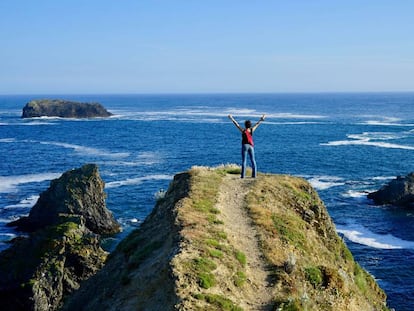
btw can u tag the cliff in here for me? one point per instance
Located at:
(78, 192)
(63, 246)
(218, 242)
(63, 109)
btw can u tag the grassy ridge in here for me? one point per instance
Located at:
(313, 269)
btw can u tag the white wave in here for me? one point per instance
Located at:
(361, 235)
(383, 177)
(25, 203)
(10, 183)
(142, 159)
(148, 158)
(375, 139)
(325, 182)
(30, 123)
(356, 194)
(385, 121)
(207, 114)
(380, 135)
(294, 123)
(136, 181)
(366, 142)
(7, 140)
(9, 235)
(87, 150)
(34, 123)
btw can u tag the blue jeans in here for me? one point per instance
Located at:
(248, 149)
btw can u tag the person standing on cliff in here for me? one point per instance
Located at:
(247, 143)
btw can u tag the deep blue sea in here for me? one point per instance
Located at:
(346, 145)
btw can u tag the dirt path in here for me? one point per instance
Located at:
(242, 235)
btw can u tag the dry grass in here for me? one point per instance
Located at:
(206, 254)
(293, 223)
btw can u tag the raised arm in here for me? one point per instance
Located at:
(258, 122)
(235, 123)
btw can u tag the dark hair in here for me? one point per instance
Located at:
(247, 124)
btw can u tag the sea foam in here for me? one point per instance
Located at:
(325, 182)
(25, 203)
(87, 150)
(361, 235)
(375, 139)
(136, 181)
(10, 183)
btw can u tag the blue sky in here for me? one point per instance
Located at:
(188, 46)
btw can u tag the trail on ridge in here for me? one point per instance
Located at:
(241, 233)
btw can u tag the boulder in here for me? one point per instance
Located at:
(63, 109)
(76, 192)
(399, 192)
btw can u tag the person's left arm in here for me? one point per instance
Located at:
(262, 118)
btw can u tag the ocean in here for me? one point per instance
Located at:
(345, 145)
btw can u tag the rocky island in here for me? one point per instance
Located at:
(398, 192)
(63, 109)
(63, 244)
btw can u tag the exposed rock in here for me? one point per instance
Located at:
(217, 242)
(76, 192)
(399, 191)
(63, 246)
(38, 271)
(63, 109)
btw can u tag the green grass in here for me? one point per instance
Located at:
(215, 253)
(219, 301)
(290, 230)
(240, 278)
(314, 276)
(241, 258)
(203, 268)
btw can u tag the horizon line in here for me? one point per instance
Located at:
(202, 93)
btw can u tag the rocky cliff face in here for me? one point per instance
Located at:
(77, 192)
(63, 109)
(399, 191)
(218, 242)
(62, 248)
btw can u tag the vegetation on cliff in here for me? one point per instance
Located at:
(218, 242)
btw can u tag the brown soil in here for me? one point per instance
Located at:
(243, 236)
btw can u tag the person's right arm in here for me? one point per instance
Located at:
(235, 123)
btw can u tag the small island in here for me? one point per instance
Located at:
(63, 109)
(397, 192)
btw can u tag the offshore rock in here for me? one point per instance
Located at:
(399, 191)
(76, 192)
(38, 271)
(63, 109)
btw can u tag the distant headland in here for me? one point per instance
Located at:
(63, 109)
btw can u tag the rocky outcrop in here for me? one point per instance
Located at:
(62, 247)
(399, 192)
(76, 192)
(63, 109)
(38, 271)
(218, 242)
